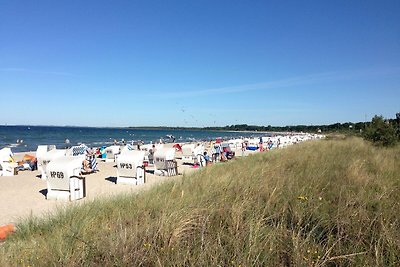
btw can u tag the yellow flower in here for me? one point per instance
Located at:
(303, 198)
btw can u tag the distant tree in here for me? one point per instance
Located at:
(397, 125)
(380, 132)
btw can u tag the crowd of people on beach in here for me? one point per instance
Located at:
(214, 151)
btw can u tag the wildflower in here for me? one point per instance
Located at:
(302, 198)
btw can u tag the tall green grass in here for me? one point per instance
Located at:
(323, 203)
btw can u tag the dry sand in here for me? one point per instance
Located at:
(24, 194)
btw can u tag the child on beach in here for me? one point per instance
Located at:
(207, 158)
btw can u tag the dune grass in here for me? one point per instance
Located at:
(321, 203)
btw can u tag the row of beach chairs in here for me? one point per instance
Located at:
(63, 168)
(63, 171)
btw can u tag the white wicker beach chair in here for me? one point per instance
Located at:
(165, 163)
(7, 167)
(47, 157)
(63, 179)
(112, 152)
(130, 169)
(192, 153)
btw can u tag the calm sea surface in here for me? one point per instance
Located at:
(32, 136)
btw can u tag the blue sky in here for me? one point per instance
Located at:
(198, 63)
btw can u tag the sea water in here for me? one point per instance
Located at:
(27, 138)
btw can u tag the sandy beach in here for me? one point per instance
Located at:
(24, 194)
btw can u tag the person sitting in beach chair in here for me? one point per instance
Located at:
(89, 164)
(223, 156)
(86, 167)
(28, 162)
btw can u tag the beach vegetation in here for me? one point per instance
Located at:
(382, 132)
(319, 203)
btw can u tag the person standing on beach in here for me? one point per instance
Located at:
(67, 143)
(206, 158)
(213, 153)
(243, 147)
(151, 154)
(218, 151)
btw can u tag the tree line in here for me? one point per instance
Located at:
(380, 130)
(335, 127)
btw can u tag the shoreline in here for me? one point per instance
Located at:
(163, 128)
(25, 138)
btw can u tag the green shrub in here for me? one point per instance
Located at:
(381, 132)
